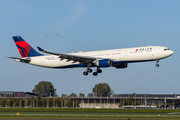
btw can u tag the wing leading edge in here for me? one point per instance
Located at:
(75, 58)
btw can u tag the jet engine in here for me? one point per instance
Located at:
(123, 65)
(104, 63)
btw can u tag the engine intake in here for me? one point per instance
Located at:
(104, 63)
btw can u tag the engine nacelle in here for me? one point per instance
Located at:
(104, 63)
(123, 65)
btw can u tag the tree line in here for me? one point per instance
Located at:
(46, 88)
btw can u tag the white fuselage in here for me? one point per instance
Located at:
(127, 55)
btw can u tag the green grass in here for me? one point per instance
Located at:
(90, 117)
(77, 113)
(88, 110)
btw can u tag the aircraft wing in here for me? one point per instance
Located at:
(69, 57)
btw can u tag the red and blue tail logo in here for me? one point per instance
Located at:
(24, 48)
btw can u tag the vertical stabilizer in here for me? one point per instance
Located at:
(24, 48)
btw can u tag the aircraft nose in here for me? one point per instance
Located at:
(172, 52)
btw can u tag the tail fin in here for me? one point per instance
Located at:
(24, 48)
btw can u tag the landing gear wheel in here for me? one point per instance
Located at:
(95, 73)
(157, 65)
(99, 71)
(85, 73)
(90, 70)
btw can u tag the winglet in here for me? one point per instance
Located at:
(40, 49)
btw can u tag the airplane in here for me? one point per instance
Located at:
(118, 58)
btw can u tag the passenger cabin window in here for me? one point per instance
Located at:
(166, 49)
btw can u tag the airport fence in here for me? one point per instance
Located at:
(89, 102)
(39, 102)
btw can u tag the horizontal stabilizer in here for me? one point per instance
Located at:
(26, 60)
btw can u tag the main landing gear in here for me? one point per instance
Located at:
(157, 63)
(87, 71)
(98, 70)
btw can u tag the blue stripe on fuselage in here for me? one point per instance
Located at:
(113, 63)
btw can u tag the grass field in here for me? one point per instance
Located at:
(76, 113)
(87, 110)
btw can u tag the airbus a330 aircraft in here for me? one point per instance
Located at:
(118, 58)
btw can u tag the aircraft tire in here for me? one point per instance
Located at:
(157, 65)
(90, 70)
(85, 73)
(99, 71)
(95, 73)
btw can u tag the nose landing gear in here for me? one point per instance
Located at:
(157, 63)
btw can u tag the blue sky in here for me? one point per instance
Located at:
(87, 25)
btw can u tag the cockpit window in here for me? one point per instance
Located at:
(166, 49)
